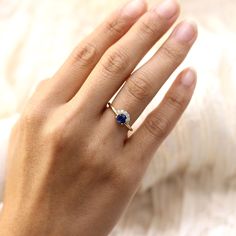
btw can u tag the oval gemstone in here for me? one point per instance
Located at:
(121, 118)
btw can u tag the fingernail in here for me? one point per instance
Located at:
(185, 32)
(134, 8)
(167, 9)
(189, 78)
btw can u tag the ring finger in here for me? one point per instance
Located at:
(143, 84)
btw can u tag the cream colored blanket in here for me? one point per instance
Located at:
(190, 187)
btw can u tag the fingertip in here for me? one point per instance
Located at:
(188, 77)
(168, 10)
(185, 32)
(134, 8)
(194, 25)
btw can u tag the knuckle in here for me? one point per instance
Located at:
(33, 115)
(56, 139)
(139, 87)
(57, 136)
(176, 101)
(157, 125)
(115, 27)
(148, 27)
(106, 173)
(120, 178)
(85, 54)
(92, 164)
(171, 53)
(116, 61)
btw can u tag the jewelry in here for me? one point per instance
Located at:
(122, 117)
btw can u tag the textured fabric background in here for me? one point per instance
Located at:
(190, 187)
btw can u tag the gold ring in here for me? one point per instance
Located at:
(122, 117)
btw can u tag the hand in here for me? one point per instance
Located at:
(72, 170)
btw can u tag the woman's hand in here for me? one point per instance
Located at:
(72, 170)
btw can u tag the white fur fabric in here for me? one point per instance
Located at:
(190, 186)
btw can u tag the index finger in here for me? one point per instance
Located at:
(86, 55)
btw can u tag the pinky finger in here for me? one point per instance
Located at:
(162, 120)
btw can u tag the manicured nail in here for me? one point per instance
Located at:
(185, 32)
(167, 9)
(189, 78)
(134, 8)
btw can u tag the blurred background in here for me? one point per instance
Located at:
(190, 187)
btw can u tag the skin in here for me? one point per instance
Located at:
(72, 170)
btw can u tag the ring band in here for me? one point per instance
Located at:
(122, 117)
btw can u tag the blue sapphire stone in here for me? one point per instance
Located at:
(121, 119)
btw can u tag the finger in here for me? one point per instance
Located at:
(161, 121)
(85, 56)
(140, 89)
(120, 60)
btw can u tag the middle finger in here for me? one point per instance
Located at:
(121, 59)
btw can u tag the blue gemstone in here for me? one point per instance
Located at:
(121, 118)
